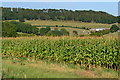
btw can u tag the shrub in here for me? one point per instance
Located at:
(54, 33)
(21, 19)
(114, 28)
(75, 33)
(44, 31)
(100, 33)
(25, 28)
(56, 26)
(64, 31)
(8, 30)
(82, 35)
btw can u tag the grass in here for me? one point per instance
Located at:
(20, 34)
(39, 70)
(115, 34)
(12, 68)
(68, 23)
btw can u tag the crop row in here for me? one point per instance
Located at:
(90, 52)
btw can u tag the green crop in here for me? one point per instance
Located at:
(90, 52)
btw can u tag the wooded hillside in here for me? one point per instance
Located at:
(57, 14)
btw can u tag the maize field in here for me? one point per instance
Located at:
(89, 52)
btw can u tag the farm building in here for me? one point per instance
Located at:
(118, 31)
(98, 29)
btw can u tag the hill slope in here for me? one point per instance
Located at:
(58, 14)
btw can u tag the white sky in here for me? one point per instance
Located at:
(60, 0)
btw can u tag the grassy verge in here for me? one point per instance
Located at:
(17, 68)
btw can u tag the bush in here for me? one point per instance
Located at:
(8, 30)
(62, 26)
(25, 28)
(114, 28)
(21, 19)
(44, 31)
(54, 33)
(100, 33)
(82, 35)
(64, 32)
(56, 26)
(75, 33)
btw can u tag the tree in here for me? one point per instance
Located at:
(25, 28)
(48, 29)
(21, 19)
(114, 28)
(44, 31)
(61, 17)
(59, 14)
(8, 30)
(118, 19)
(54, 18)
(54, 33)
(75, 33)
(64, 31)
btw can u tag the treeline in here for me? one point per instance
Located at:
(48, 32)
(63, 26)
(25, 28)
(8, 30)
(57, 14)
(11, 29)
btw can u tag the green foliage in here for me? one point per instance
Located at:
(64, 32)
(82, 35)
(8, 30)
(48, 32)
(75, 33)
(54, 33)
(56, 26)
(118, 19)
(83, 28)
(58, 14)
(54, 18)
(114, 28)
(25, 28)
(21, 19)
(61, 17)
(98, 52)
(100, 33)
(44, 31)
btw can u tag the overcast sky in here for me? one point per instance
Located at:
(109, 7)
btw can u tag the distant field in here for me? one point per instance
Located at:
(115, 34)
(68, 23)
(80, 31)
